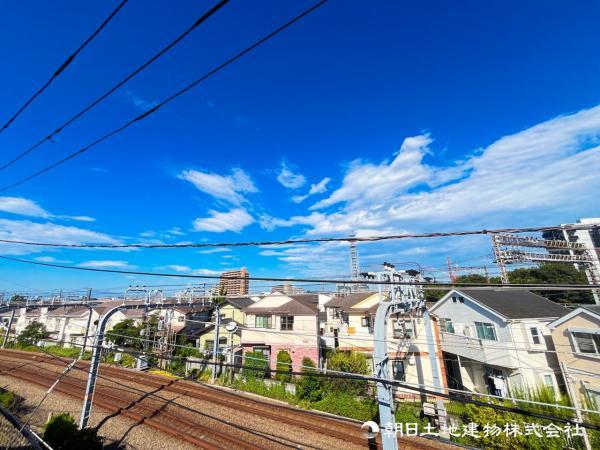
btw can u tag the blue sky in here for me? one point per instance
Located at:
(374, 117)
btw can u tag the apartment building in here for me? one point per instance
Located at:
(576, 338)
(501, 333)
(235, 282)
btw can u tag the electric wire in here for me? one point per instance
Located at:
(62, 67)
(375, 238)
(117, 86)
(425, 284)
(169, 99)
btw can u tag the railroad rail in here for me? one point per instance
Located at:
(163, 415)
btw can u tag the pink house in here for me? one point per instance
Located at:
(283, 322)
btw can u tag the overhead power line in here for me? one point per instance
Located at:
(311, 240)
(63, 66)
(170, 98)
(425, 284)
(168, 47)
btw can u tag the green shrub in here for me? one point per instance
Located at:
(9, 400)
(350, 362)
(62, 433)
(347, 405)
(255, 365)
(33, 333)
(309, 388)
(259, 387)
(284, 364)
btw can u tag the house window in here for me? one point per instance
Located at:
(365, 321)
(549, 381)
(265, 350)
(398, 369)
(181, 319)
(404, 329)
(447, 325)
(587, 343)
(287, 323)
(535, 335)
(262, 321)
(485, 330)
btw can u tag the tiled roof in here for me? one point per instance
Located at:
(348, 301)
(516, 304)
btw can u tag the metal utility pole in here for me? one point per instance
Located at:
(575, 400)
(10, 322)
(216, 342)
(87, 330)
(402, 299)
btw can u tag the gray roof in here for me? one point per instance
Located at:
(348, 301)
(516, 304)
(300, 305)
(593, 308)
(241, 302)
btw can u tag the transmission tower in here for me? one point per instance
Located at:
(508, 249)
(354, 265)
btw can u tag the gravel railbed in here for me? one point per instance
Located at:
(268, 433)
(117, 429)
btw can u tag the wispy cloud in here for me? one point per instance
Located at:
(219, 222)
(177, 268)
(106, 264)
(288, 178)
(229, 188)
(214, 250)
(52, 259)
(317, 188)
(22, 206)
(140, 102)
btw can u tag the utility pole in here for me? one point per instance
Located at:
(216, 342)
(402, 299)
(10, 322)
(575, 400)
(87, 331)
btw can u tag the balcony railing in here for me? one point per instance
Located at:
(490, 352)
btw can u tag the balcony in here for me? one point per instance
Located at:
(485, 351)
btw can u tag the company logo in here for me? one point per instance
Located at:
(370, 429)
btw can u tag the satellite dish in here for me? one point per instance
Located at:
(231, 327)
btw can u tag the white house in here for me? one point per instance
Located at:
(498, 332)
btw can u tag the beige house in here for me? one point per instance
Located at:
(231, 310)
(350, 321)
(576, 337)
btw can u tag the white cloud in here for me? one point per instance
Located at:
(51, 259)
(230, 188)
(26, 230)
(208, 272)
(289, 179)
(177, 268)
(106, 264)
(79, 218)
(318, 188)
(218, 222)
(22, 206)
(546, 174)
(367, 183)
(141, 102)
(214, 250)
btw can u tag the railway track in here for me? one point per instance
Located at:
(164, 416)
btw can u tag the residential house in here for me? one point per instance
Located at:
(576, 337)
(498, 333)
(232, 310)
(351, 318)
(281, 322)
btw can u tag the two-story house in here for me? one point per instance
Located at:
(281, 322)
(498, 334)
(351, 319)
(233, 309)
(576, 337)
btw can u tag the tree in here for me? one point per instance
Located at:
(554, 273)
(284, 364)
(17, 298)
(62, 433)
(309, 387)
(125, 334)
(255, 365)
(33, 333)
(348, 362)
